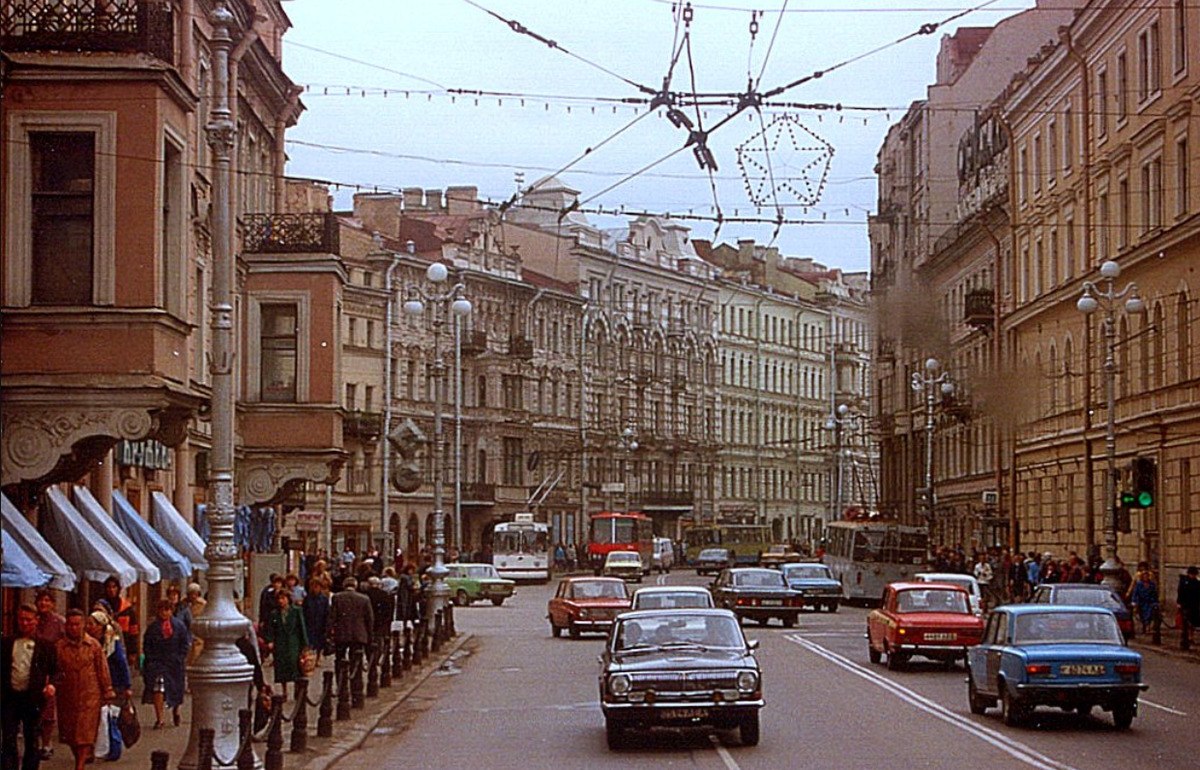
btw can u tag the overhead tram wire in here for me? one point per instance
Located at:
(521, 29)
(372, 65)
(771, 45)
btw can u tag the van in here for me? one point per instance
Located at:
(664, 554)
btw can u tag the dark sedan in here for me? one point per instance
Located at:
(679, 668)
(757, 593)
(1086, 595)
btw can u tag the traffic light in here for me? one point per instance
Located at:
(1143, 482)
(408, 443)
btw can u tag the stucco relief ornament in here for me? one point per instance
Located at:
(783, 162)
(221, 135)
(34, 440)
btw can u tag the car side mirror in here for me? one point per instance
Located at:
(752, 644)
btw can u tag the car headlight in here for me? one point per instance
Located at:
(747, 681)
(619, 684)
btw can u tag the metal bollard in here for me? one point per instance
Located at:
(274, 757)
(439, 628)
(373, 672)
(450, 632)
(159, 760)
(325, 713)
(385, 661)
(408, 652)
(397, 656)
(343, 690)
(245, 760)
(356, 678)
(300, 718)
(418, 641)
(204, 756)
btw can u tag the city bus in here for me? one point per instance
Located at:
(867, 555)
(613, 531)
(521, 548)
(747, 541)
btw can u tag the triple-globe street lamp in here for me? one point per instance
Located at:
(930, 383)
(1104, 296)
(442, 305)
(628, 443)
(842, 417)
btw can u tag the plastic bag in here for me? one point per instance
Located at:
(115, 746)
(101, 747)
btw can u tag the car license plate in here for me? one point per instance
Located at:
(1090, 669)
(772, 602)
(692, 713)
(940, 637)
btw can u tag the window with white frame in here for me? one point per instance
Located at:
(1180, 52)
(1149, 63)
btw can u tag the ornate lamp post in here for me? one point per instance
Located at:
(629, 444)
(442, 305)
(930, 383)
(221, 674)
(1096, 297)
(842, 417)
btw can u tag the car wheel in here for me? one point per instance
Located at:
(749, 730)
(874, 654)
(461, 598)
(789, 621)
(896, 660)
(615, 735)
(978, 703)
(1011, 710)
(497, 601)
(1123, 715)
(1084, 710)
(555, 631)
(833, 606)
(572, 629)
(762, 621)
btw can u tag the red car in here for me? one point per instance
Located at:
(587, 604)
(929, 619)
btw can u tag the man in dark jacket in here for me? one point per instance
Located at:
(1189, 605)
(351, 621)
(383, 610)
(28, 666)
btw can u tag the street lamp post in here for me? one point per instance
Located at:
(442, 305)
(836, 422)
(389, 376)
(629, 444)
(930, 383)
(1105, 297)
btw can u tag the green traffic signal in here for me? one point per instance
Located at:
(1128, 499)
(1145, 499)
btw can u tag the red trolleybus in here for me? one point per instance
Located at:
(611, 531)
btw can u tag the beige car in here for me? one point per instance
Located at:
(777, 555)
(626, 565)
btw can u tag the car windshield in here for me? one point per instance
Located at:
(808, 572)
(677, 628)
(598, 589)
(671, 600)
(931, 600)
(715, 554)
(957, 580)
(1066, 627)
(1088, 597)
(767, 578)
(623, 556)
(481, 571)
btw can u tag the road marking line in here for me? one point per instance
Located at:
(1168, 709)
(724, 754)
(1013, 748)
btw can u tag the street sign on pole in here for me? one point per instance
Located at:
(612, 488)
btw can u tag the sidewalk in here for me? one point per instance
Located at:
(1170, 644)
(321, 752)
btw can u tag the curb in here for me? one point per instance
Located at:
(357, 733)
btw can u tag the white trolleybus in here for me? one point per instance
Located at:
(867, 555)
(521, 548)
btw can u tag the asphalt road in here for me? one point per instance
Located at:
(521, 699)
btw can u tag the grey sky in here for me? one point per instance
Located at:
(427, 47)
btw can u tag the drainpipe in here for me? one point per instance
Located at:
(187, 44)
(1089, 528)
(760, 516)
(997, 349)
(583, 454)
(279, 159)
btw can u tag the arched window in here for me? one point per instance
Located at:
(1156, 348)
(1068, 375)
(1183, 338)
(1053, 375)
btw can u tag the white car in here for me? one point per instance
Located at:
(671, 598)
(956, 578)
(626, 565)
(664, 554)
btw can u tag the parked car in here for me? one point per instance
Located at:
(474, 582)
(968, 582)
(626, 565)
(679, 668)
(777, 555)
(664, 554)
(757, 593)
(586, 604)
(815, 582)
(1072, 658)
(933, 620)
(671, 598)
(712, 560)
(1087, 595)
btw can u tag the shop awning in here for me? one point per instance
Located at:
(17, 569)
(80, 544)
(95, 514)
(172, 564)
(170, 523)
(35, 546)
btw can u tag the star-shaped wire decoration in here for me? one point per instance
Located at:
(784, 160)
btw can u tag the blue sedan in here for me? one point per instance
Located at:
(1072, 658)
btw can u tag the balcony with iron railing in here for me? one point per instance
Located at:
(979, 308)
(478, 492)
(290, 233)
(115, 26)
(362, 425)
(474, 342)
(677, 497)
(520, 347)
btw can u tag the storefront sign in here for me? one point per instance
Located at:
(307, 521)
(143, 454)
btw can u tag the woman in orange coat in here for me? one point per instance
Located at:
(83, 687)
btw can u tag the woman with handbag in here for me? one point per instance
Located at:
(286, 638)
(165, 648)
